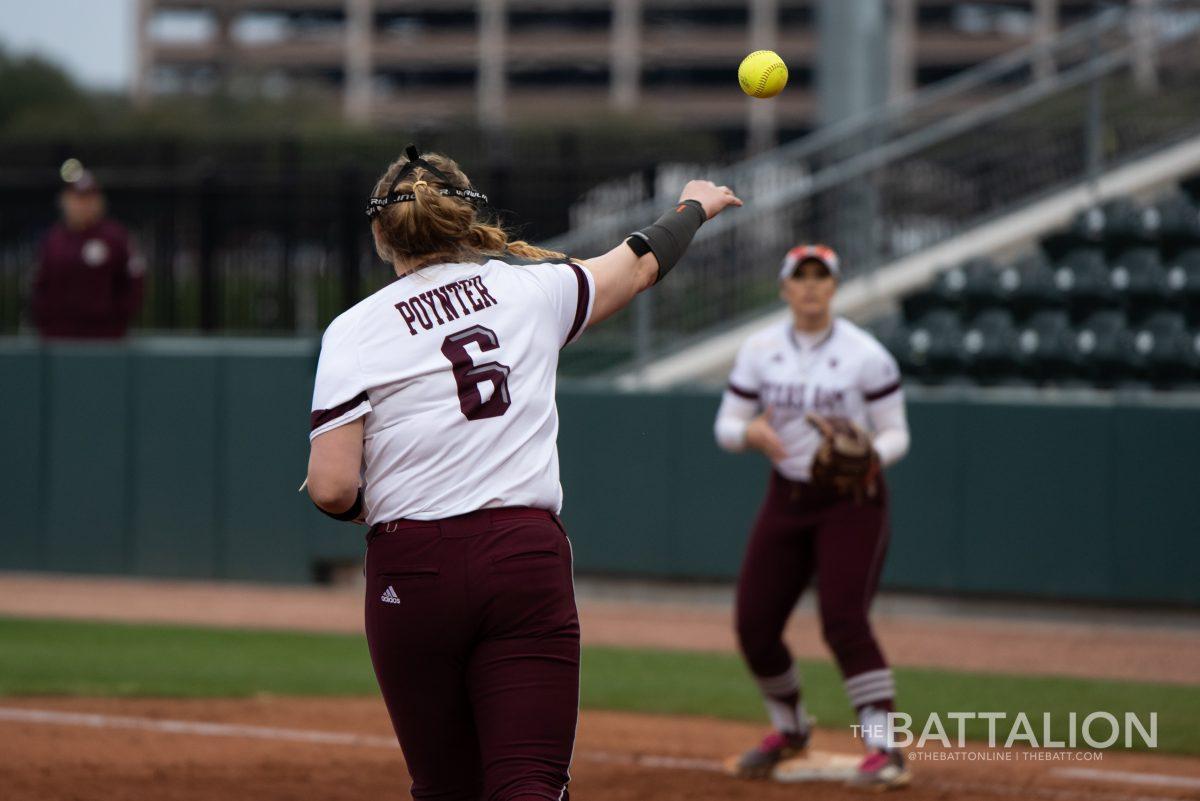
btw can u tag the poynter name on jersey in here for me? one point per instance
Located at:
(434, 307)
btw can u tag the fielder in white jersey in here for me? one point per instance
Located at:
(450, 426)
(433, 420)
(841, 371)
(819, 364)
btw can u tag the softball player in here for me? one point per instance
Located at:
(434, 423)
(815, 364)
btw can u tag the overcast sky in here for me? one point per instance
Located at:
(92, 39)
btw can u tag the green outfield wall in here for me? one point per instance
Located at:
(182, 458)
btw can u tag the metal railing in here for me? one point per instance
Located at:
(881, 186)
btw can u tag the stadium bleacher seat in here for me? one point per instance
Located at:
(1111, 301)
(1183, 284)
(1178, 222)
(1122, 223)
(989, 346)
(1119, 223)
(1006, 285)
(934, 346)
(1139, 279)
(1083, 280)
(917, 304)
(1166, 347)
(980, 285)
(1047, 346)
(1035, 288)
(947, 292)
(1105, 346)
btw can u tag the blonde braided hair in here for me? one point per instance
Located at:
(437, 228)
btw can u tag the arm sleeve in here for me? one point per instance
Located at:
(740, 403)
(884, 398)
(890, 425)
(734, 415)
(340, 391)
(571, 290)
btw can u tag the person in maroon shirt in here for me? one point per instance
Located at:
(88, 283)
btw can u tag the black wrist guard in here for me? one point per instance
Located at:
(350, 514)
(669, 236)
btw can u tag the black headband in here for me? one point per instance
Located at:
(377, 204)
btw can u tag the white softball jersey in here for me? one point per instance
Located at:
(843, 372)
(454, 369)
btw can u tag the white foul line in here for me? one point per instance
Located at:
(1129, 777)
(102, 721)
(651, 761)
(193, 727)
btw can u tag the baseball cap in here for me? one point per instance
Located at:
(76, 178)
(802, 253)
(85, 183)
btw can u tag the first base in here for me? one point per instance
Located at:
(817, 766)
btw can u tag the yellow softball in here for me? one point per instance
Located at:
(762, 74)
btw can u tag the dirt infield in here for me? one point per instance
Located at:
(618, 757)
(1083, 649)
(268, 748)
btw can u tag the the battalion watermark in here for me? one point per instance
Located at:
(1013, 738)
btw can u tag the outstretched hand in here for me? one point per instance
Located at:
(712, 197)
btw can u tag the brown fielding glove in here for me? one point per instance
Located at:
(845, 464)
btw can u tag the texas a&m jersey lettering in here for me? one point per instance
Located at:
(803, 398)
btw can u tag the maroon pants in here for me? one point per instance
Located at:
(799, 533)
(474, 636)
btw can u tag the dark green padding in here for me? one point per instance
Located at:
(182, 458)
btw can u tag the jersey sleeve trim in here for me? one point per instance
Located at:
(742, 393)
(323, 420)
(583, 305)
(882, 392)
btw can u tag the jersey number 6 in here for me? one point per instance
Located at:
(469, 375)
